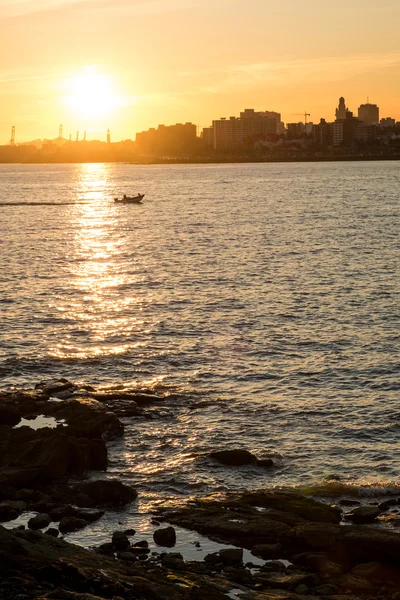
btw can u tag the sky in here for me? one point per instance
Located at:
(129, 65)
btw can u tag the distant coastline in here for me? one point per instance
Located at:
(214, 160)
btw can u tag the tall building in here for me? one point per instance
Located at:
(323, 133)
(369, 114)
(250, 126)
(342, 110)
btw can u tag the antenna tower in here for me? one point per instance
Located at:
(12, 140)
(60, 131)
(84, 136)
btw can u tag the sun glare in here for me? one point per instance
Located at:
(92, 94)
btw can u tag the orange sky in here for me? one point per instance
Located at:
(132, 64)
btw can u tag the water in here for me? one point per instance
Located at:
(263, 297)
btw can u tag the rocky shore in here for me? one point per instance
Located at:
(302, 549)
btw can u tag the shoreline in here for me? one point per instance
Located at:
(212, 161)
(299, 548)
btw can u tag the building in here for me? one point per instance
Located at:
(251, 126)
(323, 134)
(295, 130)
(369, 114)
(341, 111)
(226, 133)
(387, 122)
(172, 140)
(345, 131)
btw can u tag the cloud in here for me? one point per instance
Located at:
(19, 8)
(292, 71)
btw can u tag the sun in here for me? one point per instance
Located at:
(92, 94)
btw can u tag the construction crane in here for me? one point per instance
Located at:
(12, 140)
(305, 114)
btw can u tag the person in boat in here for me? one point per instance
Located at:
(124, 196)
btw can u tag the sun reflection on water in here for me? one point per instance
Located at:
(96, 274)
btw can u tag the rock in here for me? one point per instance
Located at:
(294, 503)
(52, 531)
(120, 541)
(212, 559)
(265, 462)
(70, 524)
(7, 513)
(291, 581)
(142, 544)
(165, 537)
(346, 502)
(39, 522)
(50, 389)
(357, 585)
(377, 574)
(388, 504)
(301, 589)
(173, 560)
(234, 458)
(140, 549)
(88, 514)
(107, 549)
(127, 556)
(231, 556)
(9, 414)
(326, 589)
(267, 551)
(364, 514)
(37, 455)
(62, 511)
(105, 492)
(130, 532)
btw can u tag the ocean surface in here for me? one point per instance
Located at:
(262, 298)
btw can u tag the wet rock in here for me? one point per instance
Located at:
(377, 574)
(234, 458)
(267, 551)
(88, 514)
(388, 504)
(231, 556)
(70, 524)
(356, 585)
(52, 531)
(173, 560)
(346, 502)
(142, 544)
(212, 558)
(107, 549)
(39, 522)
(364, 514)
(130, 532)
(62, 511)
(54, 387)
(120, 541)
(274, 566)
(295, 504)
(107, 492)
(165, 537)
(9, 414)
(265, 462)
(290, 582)
(7, 513)
(127, 556)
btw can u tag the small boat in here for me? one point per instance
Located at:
(130, 199)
